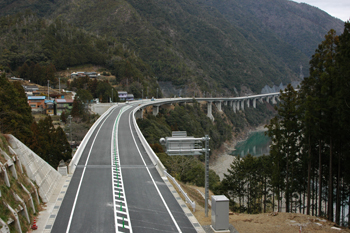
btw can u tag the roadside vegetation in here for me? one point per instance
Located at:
(306, 170)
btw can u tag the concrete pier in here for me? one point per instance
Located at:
(218, 106)
(155, 110)
(209, 110)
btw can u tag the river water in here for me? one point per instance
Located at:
(256, 144)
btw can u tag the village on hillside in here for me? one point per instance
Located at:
(51, 101)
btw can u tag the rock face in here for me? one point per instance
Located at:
(274, 88)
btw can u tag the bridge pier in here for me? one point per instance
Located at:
(274, 100)
(238, 104)
(268, 99)
(261, 100)
(218, 105)
(209, 110)
(233, 106)
(242, 105)
(139, 113)
(248, 103)
(155, 110)
(254, 103)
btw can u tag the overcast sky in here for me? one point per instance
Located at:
(337, 8)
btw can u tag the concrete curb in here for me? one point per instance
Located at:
(184, 207)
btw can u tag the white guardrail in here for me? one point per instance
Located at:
(159, 165)
(82, 145)
(188, 200)
(155, 160)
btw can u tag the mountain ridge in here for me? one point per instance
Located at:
(208, 46)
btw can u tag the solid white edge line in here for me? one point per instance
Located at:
(122, 110)
(155, 185)
(82, 176)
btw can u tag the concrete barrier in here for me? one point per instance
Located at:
(155, 160)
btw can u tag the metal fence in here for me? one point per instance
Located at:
(188, 200)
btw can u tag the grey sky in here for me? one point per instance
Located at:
(337, 8)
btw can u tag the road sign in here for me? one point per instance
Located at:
(181, 144)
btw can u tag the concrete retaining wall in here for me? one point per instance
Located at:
(37, 169)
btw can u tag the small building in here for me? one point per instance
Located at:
(91, 74)
(31, 90)
(77, 74)
(50, 107)
(37, 103)
(63, 105)
(122, 95)
(129, 97)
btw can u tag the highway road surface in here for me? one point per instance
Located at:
(115, 186)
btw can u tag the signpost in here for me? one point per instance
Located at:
(181, 144)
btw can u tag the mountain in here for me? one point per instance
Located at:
(220, 47)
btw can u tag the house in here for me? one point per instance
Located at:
(129, 97)
(37, 103)
(50, 107)
(122, 95)
(63, 105)
(31, 90)
(77, 74)
(92, 74)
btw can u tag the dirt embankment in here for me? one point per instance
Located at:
(266, 222)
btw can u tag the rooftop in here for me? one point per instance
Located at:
(36, 97)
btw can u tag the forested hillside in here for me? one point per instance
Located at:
(35, 48)
(308, 163)
(217, 47)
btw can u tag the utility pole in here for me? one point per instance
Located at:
(59, 85)
(206, 138)
(70, 127)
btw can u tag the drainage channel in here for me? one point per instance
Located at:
(121, 217)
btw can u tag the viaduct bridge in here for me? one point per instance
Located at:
(237, 103)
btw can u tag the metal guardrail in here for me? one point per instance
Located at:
(188, 200)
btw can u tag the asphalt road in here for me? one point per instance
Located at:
(116, 188)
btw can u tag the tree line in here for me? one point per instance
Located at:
(306, 170)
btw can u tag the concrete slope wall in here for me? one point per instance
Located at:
(37, 169)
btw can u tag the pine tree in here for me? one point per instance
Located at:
(323, 73)
(286, 137)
